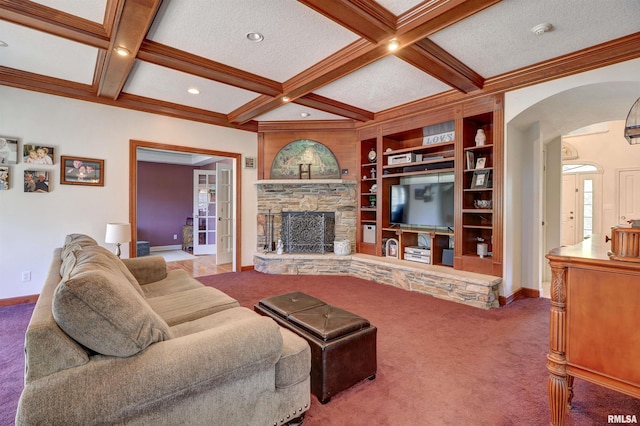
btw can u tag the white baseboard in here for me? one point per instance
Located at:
(165, 248)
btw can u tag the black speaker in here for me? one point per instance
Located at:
(447, 257)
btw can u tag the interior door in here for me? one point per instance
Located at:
(569, 210)
(629, 195)
(204, 212)
(224, 206)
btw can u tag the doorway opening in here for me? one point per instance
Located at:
(581, 202)
(139, 150)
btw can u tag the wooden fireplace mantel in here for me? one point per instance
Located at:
(593, 330)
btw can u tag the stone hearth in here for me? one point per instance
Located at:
(478, 290)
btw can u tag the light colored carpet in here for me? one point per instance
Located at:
(173, 255)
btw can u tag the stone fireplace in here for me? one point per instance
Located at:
(291, 209)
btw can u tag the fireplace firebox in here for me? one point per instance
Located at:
(308, 232)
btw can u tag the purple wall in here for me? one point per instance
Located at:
(165, 200)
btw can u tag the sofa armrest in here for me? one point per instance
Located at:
(147, 269)
(165, 371)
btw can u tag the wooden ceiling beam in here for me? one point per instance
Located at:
(434, 15)
(423, 23)
(84, 92)
(260, 105)
(129, 30)
(51, 21)
(364, 17)
(435, 61)
(594, 57)
(179, 60)
(321, 103)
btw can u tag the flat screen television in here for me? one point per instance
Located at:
(422, 204)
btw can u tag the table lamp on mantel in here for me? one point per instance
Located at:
(118, 233)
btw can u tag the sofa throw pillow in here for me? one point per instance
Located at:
(105, 314)
(107, 260)
(77, 241)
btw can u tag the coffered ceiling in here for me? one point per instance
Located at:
(329, 57)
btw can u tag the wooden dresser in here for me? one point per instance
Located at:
(595, 323)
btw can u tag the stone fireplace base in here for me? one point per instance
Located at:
(477, 290)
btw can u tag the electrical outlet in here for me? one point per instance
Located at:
(26, 276)
(175, 236)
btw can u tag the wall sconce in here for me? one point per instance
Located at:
(632, 125)
(118, 233)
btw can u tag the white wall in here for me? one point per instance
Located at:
(33, 224)
(611, 152)
(556, 107)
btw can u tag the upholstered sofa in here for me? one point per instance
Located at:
(124, 342)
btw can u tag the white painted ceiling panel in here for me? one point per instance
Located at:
(287, 111)
(499, 39)
(162, 83)
(93, 10)
(383, 84)
(398, 7)
(40, 53)
(295, 36)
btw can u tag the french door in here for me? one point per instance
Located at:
(204, 212)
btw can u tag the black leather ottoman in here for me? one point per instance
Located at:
(343, 345)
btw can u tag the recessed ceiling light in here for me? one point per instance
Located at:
(541, 29)
(393, 44)
(286, 99)
(193, 90)
(122, 51)
(3, 44)
(304, 114)
(255, 37)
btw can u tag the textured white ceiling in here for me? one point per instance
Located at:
(295, 36)
(398, 7)
(492, 42)
(499, 39)
(153, 81)
(40, 53)
(93, 10)
(286, 111)
(383, 84)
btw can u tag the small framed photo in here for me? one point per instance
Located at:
(249, 162)
(38, 154)
(481, 179)
(8, 150)
(36, 181)
(391, 248)
(481, 162)
(4, 178)
(470, 160)
(81, 171)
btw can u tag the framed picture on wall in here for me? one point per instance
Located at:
(38, 154)
(8, 150)
(4, 178)
(81, 171)
(36, 181)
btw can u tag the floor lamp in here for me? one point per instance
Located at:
(118, 233)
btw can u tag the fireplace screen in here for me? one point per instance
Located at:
(308, 232)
